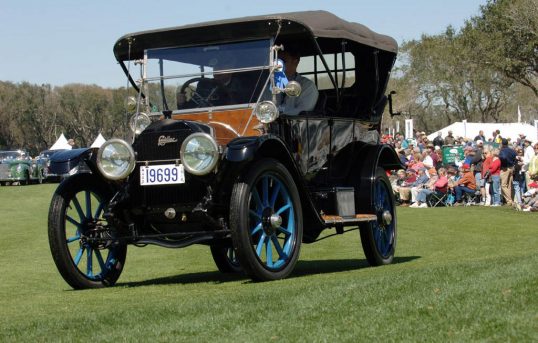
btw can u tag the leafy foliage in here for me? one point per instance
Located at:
(505, 37)
(34, 116)
(478, 74)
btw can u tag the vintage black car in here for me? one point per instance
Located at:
(217, 157)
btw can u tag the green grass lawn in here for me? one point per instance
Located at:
(460, 274)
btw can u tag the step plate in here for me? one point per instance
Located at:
(331, 220)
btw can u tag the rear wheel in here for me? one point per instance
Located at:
(226, 259)
(75, 218)
(379, 238)
(266, 221)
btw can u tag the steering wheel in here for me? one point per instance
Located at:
(216, 91)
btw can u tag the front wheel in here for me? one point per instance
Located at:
(379, 238)
(75, 224)
(26, 180)
(266, 221)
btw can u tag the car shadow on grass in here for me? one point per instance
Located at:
(311, 267)
(303, 268)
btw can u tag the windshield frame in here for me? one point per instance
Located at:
(261, 84)
(14, 154)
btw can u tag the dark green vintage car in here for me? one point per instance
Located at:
(17, 166)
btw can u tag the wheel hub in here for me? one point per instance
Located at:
(386, 217)
(95, 235)
(270, 221)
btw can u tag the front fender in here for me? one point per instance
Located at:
(63, 161)
(19, 170)
(243, 150)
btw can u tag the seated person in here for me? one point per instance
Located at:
(306, 101)
(222, 89)
(404, 190)
(397, 182)
(467, 184)
(530, 198)
(439, 186)
(423, 181)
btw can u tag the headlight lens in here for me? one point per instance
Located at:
(199, 153)
(139, 122)
(266, 112)
(116, 159)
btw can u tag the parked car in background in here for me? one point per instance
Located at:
(17, 167)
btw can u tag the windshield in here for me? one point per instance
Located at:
(11, 155)
(206, 76)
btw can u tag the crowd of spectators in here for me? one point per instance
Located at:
(494, 171)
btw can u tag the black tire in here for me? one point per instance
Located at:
(26, 180)
(65, 209)
(226, 259)
(256, 238)
(379, 238)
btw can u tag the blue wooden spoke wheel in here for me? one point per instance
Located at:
(266, 221)
(76, 232)
(379, 238)
(226, 259)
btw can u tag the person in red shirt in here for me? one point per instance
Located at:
(467, 184)
(495, 172)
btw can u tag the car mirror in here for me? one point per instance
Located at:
(293, 88)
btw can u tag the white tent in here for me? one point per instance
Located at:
(470, 130)
(98, 141)
(61, 144)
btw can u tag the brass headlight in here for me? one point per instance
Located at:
(116, 159)
(199, 153)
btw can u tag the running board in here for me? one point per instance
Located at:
(359, 218)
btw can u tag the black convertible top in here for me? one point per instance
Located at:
(318, 24)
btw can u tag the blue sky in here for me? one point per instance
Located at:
(60, 41)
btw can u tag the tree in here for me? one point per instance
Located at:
(505, 37)
(443, 84)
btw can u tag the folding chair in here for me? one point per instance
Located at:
(438, 199)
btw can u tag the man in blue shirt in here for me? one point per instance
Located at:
(508, 159)
(306, 101)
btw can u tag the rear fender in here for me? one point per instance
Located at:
(369, 158)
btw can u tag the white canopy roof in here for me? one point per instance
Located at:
(470, 130)
(61, 144)
(98, 141)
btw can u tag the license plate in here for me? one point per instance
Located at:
(164, 174)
